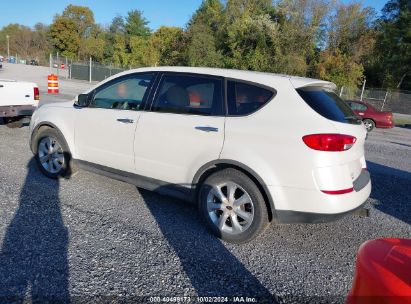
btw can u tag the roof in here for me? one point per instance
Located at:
(296, 81)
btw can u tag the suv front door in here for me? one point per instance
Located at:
(104, 131)
(184, 129)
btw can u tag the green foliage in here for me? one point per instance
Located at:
(170, 44)
(393, 47)
(64, 36)
(136, 24)
(82, 16)
(316, 38)
(339, 68)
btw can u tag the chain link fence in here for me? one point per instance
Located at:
(92, 71)
(397, 101)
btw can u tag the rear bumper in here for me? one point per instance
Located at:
(298, 217)
(385, 124)
(316, 207)
(15, 111)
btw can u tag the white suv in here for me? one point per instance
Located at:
(249, 147)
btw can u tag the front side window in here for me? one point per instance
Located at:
(186, 94)
(124, 94)
(244, 98)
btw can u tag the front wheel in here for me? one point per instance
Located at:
(232, 206)
(52, 154)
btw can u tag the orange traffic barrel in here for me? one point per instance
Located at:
(52, 84)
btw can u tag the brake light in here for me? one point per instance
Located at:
(329, 142)
(36, 94)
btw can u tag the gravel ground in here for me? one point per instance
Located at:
(93, 239)
(99, 239)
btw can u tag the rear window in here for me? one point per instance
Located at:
(328, 104)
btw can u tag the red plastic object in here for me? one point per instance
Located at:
(383, 273)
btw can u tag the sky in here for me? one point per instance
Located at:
(157, 12)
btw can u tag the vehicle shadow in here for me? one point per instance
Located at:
(391, 187)
(212, 269)
(33, 257)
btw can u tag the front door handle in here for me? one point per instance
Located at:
(125, 120)
(206, 129)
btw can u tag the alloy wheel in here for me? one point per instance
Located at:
(51, 155)
(230, 208)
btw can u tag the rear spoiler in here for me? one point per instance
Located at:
(298, 82)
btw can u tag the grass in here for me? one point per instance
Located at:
(402, 121)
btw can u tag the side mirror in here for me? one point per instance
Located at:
(82, 100)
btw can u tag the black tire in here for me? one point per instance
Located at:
(14, 123)
(67, 169)
(260, 218)
(369, 124)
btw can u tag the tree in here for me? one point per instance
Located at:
(170, 44)
(82, 16)
(393, 47)
(337, 67)
(120, 55)
(142, 53)
(351, 30)
(203, 35)
(136, 24)
(117, 25)
(64, 36)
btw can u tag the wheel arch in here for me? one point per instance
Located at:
(218, 165)
(43, 124)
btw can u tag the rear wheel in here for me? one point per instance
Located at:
(232, 206)
(369, 124)
(52, 153)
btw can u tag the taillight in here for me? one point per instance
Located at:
(36, 94)
(329, 142)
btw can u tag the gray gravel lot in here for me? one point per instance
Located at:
(93, 237)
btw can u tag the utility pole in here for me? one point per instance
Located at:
(58, 64)
(8, 47)
(363, 88)
(90, 71)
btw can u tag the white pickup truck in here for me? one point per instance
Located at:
(18, 99)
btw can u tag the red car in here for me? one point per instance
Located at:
(371, 117)
(382, 273)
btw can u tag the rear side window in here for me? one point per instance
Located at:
(328, 104)
(188, 94)
(357, 106)
(244, 98)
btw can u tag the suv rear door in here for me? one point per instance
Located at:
(184, 129)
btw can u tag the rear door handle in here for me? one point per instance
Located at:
(206, 129)
(125, 120)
